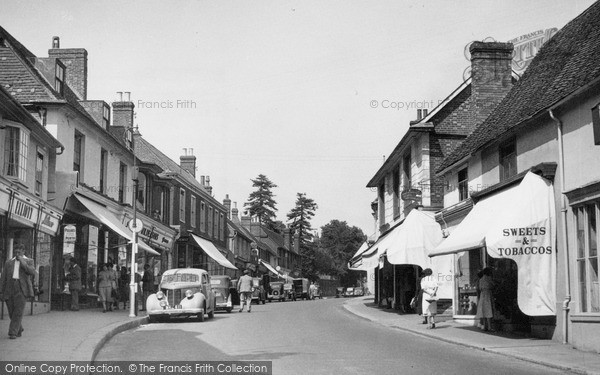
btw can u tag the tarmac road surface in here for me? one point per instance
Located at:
(308, 337)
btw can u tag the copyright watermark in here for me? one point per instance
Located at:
(403, 104)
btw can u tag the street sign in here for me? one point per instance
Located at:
(139, 225)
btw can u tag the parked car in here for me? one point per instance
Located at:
(339, 292)
(183, 292)
(349, 292)
(259, 294)
(290, 293)
(276, 291)
(225, 292)
(301, 288)
(359, 291)
(317, 292)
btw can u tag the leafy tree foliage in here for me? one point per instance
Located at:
(340, 242)
(261, 202)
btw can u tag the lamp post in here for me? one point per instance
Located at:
(134, 231)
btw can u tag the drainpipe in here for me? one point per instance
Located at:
(563, 210)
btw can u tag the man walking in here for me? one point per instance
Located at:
(147, 285)
(74, 279)
(244, 288)
(16, 288)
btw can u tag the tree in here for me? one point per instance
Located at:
(340, 242)
(300, 217)
(260, 202)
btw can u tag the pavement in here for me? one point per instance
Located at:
(79, 336)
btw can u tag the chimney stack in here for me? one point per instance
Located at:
(188, 161)
(234, 213)
(227, 204)
(208, 187)
(419, 114)
(75, 62)
(491, 73)
(122, 111)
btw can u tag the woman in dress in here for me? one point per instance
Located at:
(484, 304)
(429, 286)
(105, 285)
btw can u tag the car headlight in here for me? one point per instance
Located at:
(189, 294)
(163, 304)
(160, 295)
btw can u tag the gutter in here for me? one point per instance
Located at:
(563, 209)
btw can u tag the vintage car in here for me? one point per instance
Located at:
(349, 292)
(359, 291)
(225, 292)
(339, 292)
(183, 292)
(276, 291)
(301, 288)
(290, 293)
(259, 294)
(317, 292)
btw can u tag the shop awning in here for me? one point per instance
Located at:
(211, 250)
(518, 224)
(414, 239)
(107, 218)
(270, 267)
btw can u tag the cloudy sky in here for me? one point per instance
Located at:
(312, 94)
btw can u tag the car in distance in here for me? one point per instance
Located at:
(224, 291)
(349, 292)
(276, 291)
(259, 294)
(359, 291)
(183, 292)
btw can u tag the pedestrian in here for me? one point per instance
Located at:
(147, 285)
(123, 282)
(74, 278)
(484, 304)
(419, 300)
(311, 291)
(105, 283)
(16, 287)
(114, 293)
(245, 289)
(429, 286)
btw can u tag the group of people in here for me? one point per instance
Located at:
(113, 286)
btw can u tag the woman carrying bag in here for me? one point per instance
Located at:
(429, 286)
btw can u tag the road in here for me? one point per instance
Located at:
(307, 337)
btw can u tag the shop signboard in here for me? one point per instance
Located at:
(49, 221)
(24, 210)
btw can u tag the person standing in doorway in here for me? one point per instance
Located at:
(105, 282)
(485, 306)
(429, 286)
(245, 289)
(16, 287)
(74, 279)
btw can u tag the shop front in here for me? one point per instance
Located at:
(28, 220)
(93, 234)
(511, 230)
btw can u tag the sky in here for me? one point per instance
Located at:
(311, 94)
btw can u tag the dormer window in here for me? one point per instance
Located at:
(105, 116)
(59, 78)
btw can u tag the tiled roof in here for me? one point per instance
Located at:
(564, 64)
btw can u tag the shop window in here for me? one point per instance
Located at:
(587, 257)
(463, 184)
(193, 211)
(39, 173)
(396, 185)
(16, 148)
(508, 160)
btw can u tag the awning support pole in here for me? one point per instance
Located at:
(563, 210)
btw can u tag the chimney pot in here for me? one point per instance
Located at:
(55, 42)
(419, 114)
(188, 162)
(425, 112)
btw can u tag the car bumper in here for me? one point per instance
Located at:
(175, 312)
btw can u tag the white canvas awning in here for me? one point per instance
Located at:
(519, 224)
(211, 250)
(270, 267)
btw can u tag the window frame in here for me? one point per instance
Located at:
(182, 197)
(59, 77)
(122, 181)
(39, 173)
(507, 159)
(585, 287)
(103, 170)
(18, 152)
(463, 184)
(202, 216)
(193, 210)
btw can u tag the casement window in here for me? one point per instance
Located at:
(463, 184)
(16, 148)
(105, 116)
(39, 173)
(193, 211)
(215, 233)
(396, 183)
(103, 169)
(78, 144)
(202, 217)
(508, 159)
(221, 227)
(210, 221)
(122, 182)
(587, 257)
(59, 78)
(182, 205)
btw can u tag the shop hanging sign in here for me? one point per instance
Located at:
(70, 234)
(414, 195)
(49, 221)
